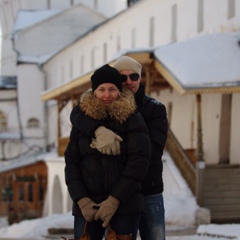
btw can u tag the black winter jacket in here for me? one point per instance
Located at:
(88, 173)
(155, 117)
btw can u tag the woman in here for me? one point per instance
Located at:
(106, 188)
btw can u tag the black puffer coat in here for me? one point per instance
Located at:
(88, 173)
(155, 117)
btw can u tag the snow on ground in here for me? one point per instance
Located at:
(180, 208)
(226, 230)
(38, 228)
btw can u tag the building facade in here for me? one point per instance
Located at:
(145, 25)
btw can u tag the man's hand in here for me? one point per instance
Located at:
(106, 142)
(86, 206)
(107, 210)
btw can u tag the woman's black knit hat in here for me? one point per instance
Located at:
(106, 74)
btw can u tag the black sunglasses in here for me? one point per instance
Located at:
(132, 76)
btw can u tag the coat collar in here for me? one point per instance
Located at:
(119, 110)
(139, 96)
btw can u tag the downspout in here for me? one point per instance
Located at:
(17, 100)
(45, 109)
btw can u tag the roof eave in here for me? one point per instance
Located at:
(181, 89)
(144, 57)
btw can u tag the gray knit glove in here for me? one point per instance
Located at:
(107, 210)
(86, 206)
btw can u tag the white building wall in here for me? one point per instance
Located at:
(110, 8)
(65, 120)
(30, 84)
(9, 108)
(52, 123)
(235, 130)
(7, 54)
(211, 113)
(55, 171)
(31, 79)
(122, 26)
(184, 107)
(117, 34)
(8, 12)
(106, 7)
(9, 147)
(183, 119)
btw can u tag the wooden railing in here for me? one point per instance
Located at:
(182, 161)
(62, 144)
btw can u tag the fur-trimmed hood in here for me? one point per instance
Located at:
(119, 110)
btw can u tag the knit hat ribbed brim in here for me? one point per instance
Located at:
(127, 63)
(106, 74)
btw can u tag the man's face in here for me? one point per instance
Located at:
(133, 85)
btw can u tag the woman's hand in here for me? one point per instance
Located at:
(106, 142)
(86, 206)
(107, 210)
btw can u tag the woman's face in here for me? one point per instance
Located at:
(107, 93)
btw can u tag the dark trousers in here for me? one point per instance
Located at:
(152, 222)
(121, 224)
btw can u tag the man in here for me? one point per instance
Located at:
(152, 223)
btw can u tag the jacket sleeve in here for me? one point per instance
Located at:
(158, 127)
(85, 124)
(139, 152)
(73, 178)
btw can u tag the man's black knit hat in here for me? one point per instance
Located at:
(106, 74)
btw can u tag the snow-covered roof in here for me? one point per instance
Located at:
(39, 35)
(206, 62)
(26, 160)
(27, 18)
(9, 136)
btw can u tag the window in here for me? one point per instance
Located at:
(4, 194)
(7, 191)
(151, 32)
(200, 16)
(42, 188)
(93, 58)
(10, 189)
(133, 37)
(131, 2)
(104, 52)
(71, 69)
(118, 43)
(41, 193)
(21, 193)
(62, 74)
(96, 4)
(33, 123)
(49, 4)
(81, 64)
(3, 122)
(30, 192)
(174, 23)
(231, 8)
